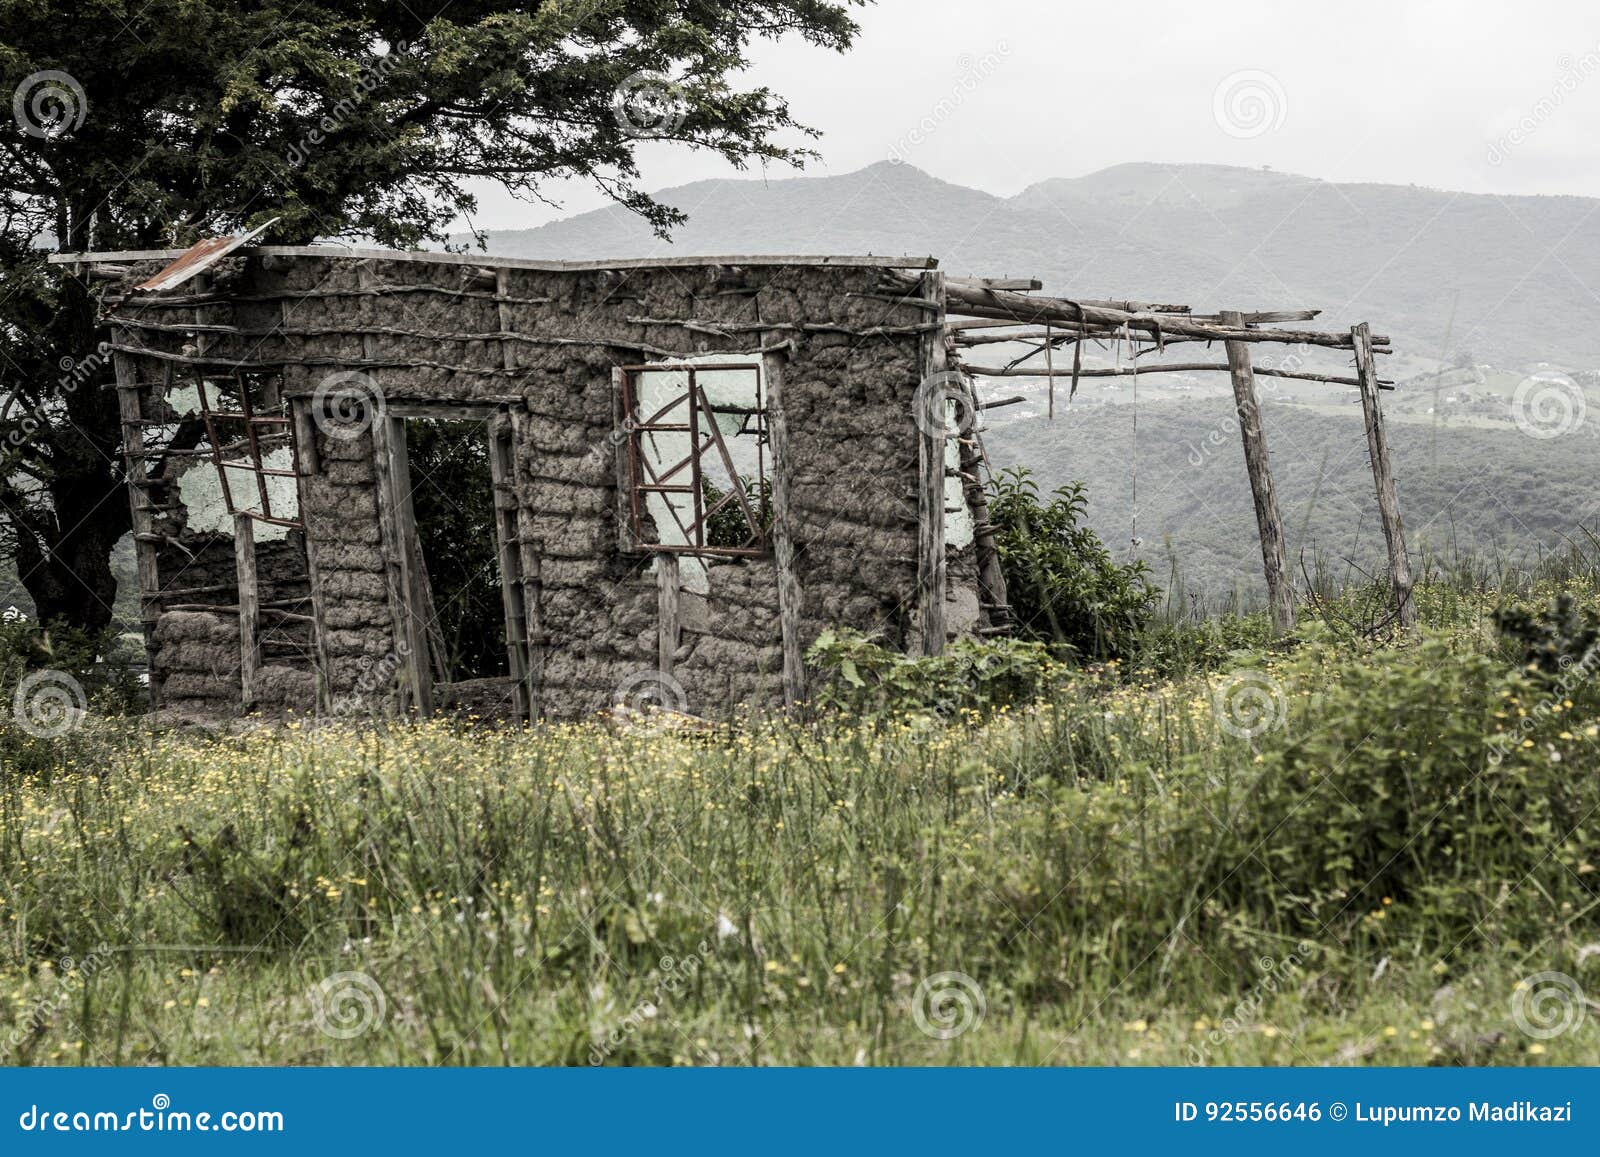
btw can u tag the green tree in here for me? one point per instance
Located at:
(153, 123)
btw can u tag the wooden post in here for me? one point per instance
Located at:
(306, 466)
(244, 557)
(991, 576)
(622, 436)
(528, 549)
(397, 528)
(791, 598)
(139, 499)
(930, 427)
(668, 586)
(1383, 476)
(512, 588)
(1280, 589)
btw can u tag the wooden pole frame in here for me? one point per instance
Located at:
(1280, 587)
(791, 597)
(1383, 477)
(929, 412)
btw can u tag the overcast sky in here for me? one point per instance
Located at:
(999, 94)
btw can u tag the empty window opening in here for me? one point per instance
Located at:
(452, 500)
(698, 458)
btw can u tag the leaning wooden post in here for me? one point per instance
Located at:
(1383, 475)
(244, 557)
(1280, 591)
(929, 411)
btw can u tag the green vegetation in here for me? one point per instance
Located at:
(1335, 848)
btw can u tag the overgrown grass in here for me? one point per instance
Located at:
(1313, 852)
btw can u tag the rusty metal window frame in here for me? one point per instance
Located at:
(704, 437)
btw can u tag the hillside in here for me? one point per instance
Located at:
(1509, 280)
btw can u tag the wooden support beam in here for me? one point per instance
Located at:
(308, 464)
(791, 597)
(669, 588)
(1280, 588)
(930, 426)
(145, 551)
(244, 557)
(528, 548)
(513, 587)
(1383, 477)
(991, 576)
(1145, 369)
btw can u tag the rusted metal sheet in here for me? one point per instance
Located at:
(197, 259)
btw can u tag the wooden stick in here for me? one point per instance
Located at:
(1280, 588)
(513, 590)
(145, 552)
(668, 588)
(244, 557)
(791, 597)
(308, 464)
(1146, 369)
(931, 562)
(1383, 477)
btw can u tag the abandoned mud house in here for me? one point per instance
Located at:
(691, 466)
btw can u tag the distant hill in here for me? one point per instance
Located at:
(1508, 280)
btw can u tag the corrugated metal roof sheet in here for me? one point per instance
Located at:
(197, 259)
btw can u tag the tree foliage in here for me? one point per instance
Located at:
(146, 125)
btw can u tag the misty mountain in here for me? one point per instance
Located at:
(1508, 280)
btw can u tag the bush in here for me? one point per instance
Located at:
(1062, 585)
(868, 680)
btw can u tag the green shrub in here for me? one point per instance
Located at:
(1062, 585)
(866, 679)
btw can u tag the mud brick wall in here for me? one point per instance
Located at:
(852, 463)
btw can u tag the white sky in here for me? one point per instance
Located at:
(1399, 91)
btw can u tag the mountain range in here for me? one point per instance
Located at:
(1448, 275)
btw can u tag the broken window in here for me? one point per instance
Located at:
(249, 436)
(698, 458)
